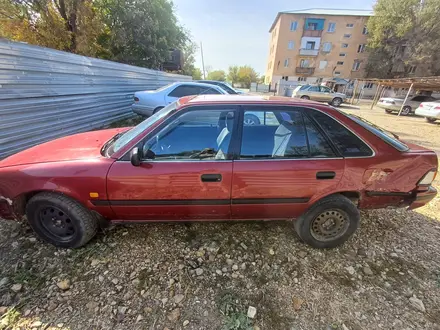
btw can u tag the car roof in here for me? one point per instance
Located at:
(242, 99)
(210, 81)
(192, 83)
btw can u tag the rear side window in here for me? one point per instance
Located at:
(318, 145)
(347, 142)
(185, 90)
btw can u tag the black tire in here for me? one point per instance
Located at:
(251, 120)
(388, 111)
(305, 97)
(406, 110)
(60, 220)
(336, 102)
(430, 120)
(157, 109)
(340, 206)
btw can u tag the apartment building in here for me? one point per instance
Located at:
(316, 45)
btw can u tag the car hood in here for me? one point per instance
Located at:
(73, 147)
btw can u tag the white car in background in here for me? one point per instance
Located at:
(148, 102)
(393, 104)
(429, 110)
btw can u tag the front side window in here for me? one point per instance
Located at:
(209, 91)
(195, 135)
(347, 142)
(314, 89)
(283, 134)
(325, 89)
(184, 90)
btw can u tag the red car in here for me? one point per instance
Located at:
(197, 160)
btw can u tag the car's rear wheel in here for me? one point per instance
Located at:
(430, 120)
(60, 220)
(388, 111)
(336, 102)
(251, 120)
(329, 222)
(305, 97)
(406, 110)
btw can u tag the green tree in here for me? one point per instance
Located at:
(218, 75)
(247, 75)
(233, 74)
(196, 74)
(404, 34)
(189, 51)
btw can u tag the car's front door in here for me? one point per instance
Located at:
(283, 163)
(188, 174)
(314, 93)
(326, 94)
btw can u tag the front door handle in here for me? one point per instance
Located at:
(211, 177)
(325, 175)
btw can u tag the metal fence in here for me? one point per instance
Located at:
(45, 93)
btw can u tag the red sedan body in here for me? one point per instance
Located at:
(232, 188)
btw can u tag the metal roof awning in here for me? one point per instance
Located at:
(339, 81)
(419, 83)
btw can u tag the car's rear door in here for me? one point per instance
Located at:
(181, 91)
(190, 176)
(283, 163)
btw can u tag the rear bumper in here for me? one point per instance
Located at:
(428, 113)
(422, 198)
(142, 109)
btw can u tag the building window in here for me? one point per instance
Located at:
(347, 35)
(322, 64)
(342, 54)
(285, 78)
(368, 85)
(361, 48)
(293, 26)
(356, 65)
(312, 26)
(327, 47)
(350, 25)
(365, 30)
(286, 62)
(304, 63)
(340, 63)
(344, 45)
(290, 45)
(331, 27)
(337, 73)
(302, 79)
(310, 45)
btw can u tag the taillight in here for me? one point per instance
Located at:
(437, 107)
(421, 105)
(428, 178)
(136, 99)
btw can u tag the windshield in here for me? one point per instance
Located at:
(135, 131)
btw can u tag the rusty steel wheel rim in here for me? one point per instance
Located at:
(329, 225)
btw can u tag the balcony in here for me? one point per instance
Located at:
(312, 33)
(305, 71)
(308, 52)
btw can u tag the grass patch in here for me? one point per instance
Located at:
(26, 275)
(8, 320)
(235, 318)
(237, 321)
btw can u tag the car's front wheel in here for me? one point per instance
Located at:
(329, 222)
(388, 111)
(406, 110)
(336, 102)
(305, 97)
(60, 220)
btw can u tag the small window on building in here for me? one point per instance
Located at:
(361, 48)
(302, 79)
(347, 35)
(356, 65)
(327, 47)
(290, 45)
(340, 63)
(337, 73)
(344, 45)
(312, 26)
(310, 45)
(304, 63)
(286, 62)
(342, 54)
(322, 64)
(293, 26)
(368, 85)
(350, 25)
(331, 27)
(365, 30)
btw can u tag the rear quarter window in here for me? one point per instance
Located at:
(348, 144)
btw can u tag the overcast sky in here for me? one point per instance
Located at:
(236, 31)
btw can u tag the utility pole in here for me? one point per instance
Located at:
(203, 62)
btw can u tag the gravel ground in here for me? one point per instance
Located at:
(211, 275)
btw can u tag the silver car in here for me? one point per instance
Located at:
(148, 102)
(319, 93)
(391, 104)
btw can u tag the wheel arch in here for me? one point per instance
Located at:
(353, 195)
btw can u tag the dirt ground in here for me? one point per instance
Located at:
(208, 275)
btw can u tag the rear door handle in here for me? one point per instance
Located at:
(211, 177)
(325, 175)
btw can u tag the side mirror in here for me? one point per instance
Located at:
(135, 157)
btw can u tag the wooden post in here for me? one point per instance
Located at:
(375, 96)
(354, 91)
(406, 98)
